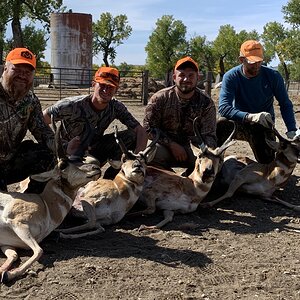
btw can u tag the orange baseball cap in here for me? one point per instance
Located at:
(21, 56)
(108, 75)
(253, 51)
(187, 60)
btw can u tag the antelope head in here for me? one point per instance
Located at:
(209, 161)
(290, 148)
(72, 175)
(134, 165)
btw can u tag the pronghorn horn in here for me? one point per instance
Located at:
(201, 145)
(120, 142)
(229, 140)
(154, 141)
(60, 153)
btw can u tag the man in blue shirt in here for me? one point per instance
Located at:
(247, 98)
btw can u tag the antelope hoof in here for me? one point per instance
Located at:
(4, 277)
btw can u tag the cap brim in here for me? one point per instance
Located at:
(21, 61)
(105, 81)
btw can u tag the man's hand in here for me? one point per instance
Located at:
(178, 151)
(263, 118)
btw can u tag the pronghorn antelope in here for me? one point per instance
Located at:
(26, 219)
(173, 193)
(105, 202)
(251, 177)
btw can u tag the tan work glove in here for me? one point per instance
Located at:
(263, 118)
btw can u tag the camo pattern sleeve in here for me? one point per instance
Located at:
(174, 116)
(81, 119)
(16, 119)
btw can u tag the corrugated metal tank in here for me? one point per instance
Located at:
(71, 48)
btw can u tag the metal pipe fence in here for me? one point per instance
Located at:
(52, 84)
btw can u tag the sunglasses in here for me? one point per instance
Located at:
(252, 62)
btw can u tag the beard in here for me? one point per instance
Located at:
(184, 89)
(16, 90)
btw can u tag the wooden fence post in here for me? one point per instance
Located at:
(145, 87)
(208, 83)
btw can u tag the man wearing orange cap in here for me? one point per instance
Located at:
(173, 110)
(20, 110)
(247, 98)
(85, 119)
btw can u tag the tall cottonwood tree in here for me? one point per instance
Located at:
(108, 33)
(34, 39)
(202, 51)
(291, 12)
(227, 46)
(36, 10)
(167, 43)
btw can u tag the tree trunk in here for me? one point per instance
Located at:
(221, 65)
(105, 59)
(17, 32)
(286, 75)
(1, 43)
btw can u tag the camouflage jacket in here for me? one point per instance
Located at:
(79, 118)
(175, 116)
(16, 119)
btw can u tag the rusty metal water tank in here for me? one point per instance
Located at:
(71, 48)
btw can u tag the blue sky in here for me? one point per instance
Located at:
(200, 17)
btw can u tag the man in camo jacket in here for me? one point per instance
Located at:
(20, 110)
(85, 119)
(173, 110)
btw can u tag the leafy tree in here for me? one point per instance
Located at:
(202, 51)
(108, 33)
(275, 38)
(36, 10)
(292, 15)
(34, 39)
(4, 17)
(166, 45)
(227, 46)
(294, 69)
(291, 12)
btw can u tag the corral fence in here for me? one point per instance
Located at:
(52, 84)
(294, 87)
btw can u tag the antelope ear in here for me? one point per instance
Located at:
(196, 150)
(273, 144)
(46, 176)
(150, 155)
(116, 164)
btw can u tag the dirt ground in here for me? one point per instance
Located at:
(241, 249)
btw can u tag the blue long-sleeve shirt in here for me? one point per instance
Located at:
(241, 95)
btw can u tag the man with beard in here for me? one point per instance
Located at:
(247, 98)
(85, 119)
(173, 110)
(20, 110)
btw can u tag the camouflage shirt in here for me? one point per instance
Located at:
(174, 116)
(79, 118)
(18, 117)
